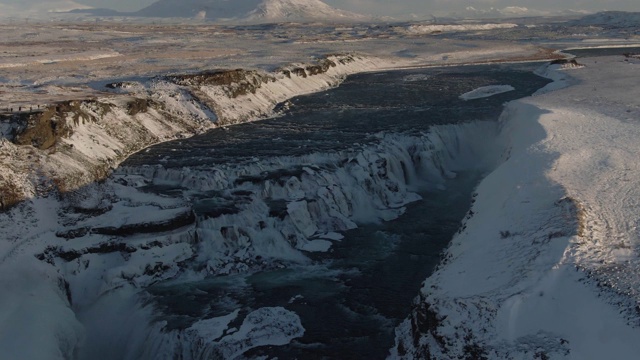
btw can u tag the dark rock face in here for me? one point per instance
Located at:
(181, 220)
(424, 320)
(9, 196)
(119, 85)
(235, 82)
(45, 128)
(573, 62)
(137, 106)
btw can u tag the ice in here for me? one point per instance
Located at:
(316, 246)
(36, 321)
(212, 338)
(486, 91)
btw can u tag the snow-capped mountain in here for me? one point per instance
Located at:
(250, 10)
(301, 10)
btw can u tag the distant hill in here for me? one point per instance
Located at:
(617, 19)
(27, 8)
(249, 10)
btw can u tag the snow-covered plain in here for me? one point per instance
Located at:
(553, 223)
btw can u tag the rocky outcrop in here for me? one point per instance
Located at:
(180, 220)
(73, 143)
(44, 128)
(235, 82)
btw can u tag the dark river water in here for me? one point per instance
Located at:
(396, 101)
(350, 299)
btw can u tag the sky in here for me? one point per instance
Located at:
(397, 7)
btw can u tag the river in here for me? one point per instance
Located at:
(351, 298)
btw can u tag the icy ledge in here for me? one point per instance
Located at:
(548, 266)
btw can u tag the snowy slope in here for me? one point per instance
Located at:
(547, 264)
(248, 10)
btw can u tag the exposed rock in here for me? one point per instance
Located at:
(104, 248)
(9, 195)
(137, 105)
(235, 82)
(46, 127)
(571, 62)
(181, 220)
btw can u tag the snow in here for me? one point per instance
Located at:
(316, 246)
(548, 261)
(35, 319)
(213, 338)
(486, 91)
(265, 326)
(561, 305)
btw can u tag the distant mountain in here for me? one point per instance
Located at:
(249, 10)
(27, 8)
(97, 12)
(613, 19)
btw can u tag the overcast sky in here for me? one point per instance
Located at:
(400, 7)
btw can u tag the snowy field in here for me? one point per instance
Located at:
(545, 266)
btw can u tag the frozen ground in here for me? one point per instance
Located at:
(547, 264)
